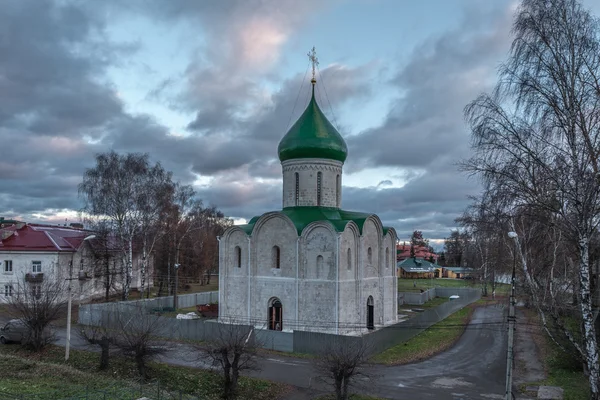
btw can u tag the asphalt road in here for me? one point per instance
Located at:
(473, 369)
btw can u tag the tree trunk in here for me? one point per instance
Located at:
(338, 389)
(143, 268)
(128, 268)
(107, 278)
(141, 366)
(585, 304)
(345, 393)
(104, 353)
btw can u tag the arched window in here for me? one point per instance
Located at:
(297, 188)
(319, 266)
(276, 257)
(238, 256)
(349, 259)
(387, 257)
(319, 178)
(338, 190)
(370, 255)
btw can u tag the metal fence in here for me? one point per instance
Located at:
(381, 339)
(111, 314)
(416, 298)
(90, 314)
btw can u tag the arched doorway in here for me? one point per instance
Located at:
(275, 314)
(370, 313)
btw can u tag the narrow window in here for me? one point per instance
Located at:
(81, 265)
(36, 291)
(36, 266)
(387, 257)
(319, 178)
(297, 188)
(338, 190)
(8, 266)
(8, 290)
(238, 256)
(276, 257)
(319, 266)
(349, 259)
(370, 255)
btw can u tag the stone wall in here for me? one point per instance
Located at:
(307, 169)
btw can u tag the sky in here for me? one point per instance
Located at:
(208, 88)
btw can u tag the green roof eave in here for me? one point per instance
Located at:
(301, 217)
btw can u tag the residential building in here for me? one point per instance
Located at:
(40, 253)
(406, 250)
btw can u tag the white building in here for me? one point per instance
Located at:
(312, 265)
(40, 253)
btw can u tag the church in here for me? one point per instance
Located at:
(312, 265)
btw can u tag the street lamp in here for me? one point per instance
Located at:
(176, 266)
(68, 342)
(511, 321)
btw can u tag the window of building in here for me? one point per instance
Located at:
(297, 193)
(276, 257)
(387, 257)
(370, 255)
(349, 259)
(319, 179)
(319, 266)
(8, 290)
(338, 190)
(238, 256)
(36, 266)
(81, 264)
(8, 266)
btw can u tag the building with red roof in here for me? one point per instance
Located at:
(40, 252)
(403, 252)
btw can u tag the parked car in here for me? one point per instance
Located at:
(13, 331)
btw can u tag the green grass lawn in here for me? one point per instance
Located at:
(431, 341)
(408, 285)
(48, 376)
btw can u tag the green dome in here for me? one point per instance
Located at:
(312, 136)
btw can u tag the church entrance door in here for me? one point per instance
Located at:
(370, 313)
(275, 314)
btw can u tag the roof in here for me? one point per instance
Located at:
(403, 252)
(303, 216)
(312, 136)
(415, 264)
(37, 237)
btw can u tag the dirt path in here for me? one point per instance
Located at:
(528, 365)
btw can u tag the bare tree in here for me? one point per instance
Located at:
(340, 364)
(37, 304)
(102, 337)
(233, 350)
(131, 194)
(537, 138)
(137, 335)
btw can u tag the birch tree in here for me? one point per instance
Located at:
(127, 191)
(536, 137)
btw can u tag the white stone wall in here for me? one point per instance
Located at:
(307, 170)
(327, 296)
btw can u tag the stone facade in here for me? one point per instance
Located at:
(303, 175)
(311, 266)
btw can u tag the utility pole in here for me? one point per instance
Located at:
(69, 311)
(176, 266)
(511, 325)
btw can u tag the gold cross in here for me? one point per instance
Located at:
(312, 56)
